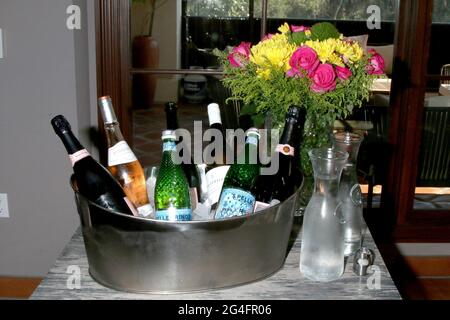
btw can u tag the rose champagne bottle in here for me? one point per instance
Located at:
(93, 180)
(122, 162)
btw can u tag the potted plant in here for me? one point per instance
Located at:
(145, 51)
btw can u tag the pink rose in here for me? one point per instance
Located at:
(304, 58)
(240, 54)
(376, 63)
(323, 79)
(299, 28)
(343, 73)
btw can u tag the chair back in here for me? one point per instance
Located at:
(445, 71)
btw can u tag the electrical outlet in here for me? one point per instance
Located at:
(4, 211)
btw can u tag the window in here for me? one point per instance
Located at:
(218, 8)
(288, 9)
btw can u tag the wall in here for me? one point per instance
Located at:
(46, 72)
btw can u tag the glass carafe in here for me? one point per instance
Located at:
(322, 248)
(350, 191)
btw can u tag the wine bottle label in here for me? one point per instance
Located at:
(120, 153)
(234, 202)
(131, 206)
(285, 149)
(77, 156)
(145, 210)
(174, 214)
(260, 206)
(214, 181)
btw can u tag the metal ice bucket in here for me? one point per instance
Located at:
(134, 254)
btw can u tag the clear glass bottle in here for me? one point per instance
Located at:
(122, 162)
(322, 247)
(350, 191)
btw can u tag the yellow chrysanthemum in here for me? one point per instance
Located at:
(325, 49)
(336, 60)
(352, 51)
(284, 28)
(331, 50)
(272, 54)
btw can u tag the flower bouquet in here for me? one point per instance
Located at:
(315, 68)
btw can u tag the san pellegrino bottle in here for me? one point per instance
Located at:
(122, 162)
(282, 184)
(190, 169)
(93, 180)
(218, 168)
(172, 199)
(236, 198)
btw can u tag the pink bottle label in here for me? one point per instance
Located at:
(77, 156)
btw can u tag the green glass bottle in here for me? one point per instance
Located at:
(236, 198)
(172, 200)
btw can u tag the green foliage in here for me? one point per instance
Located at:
(298, 38)
(275, 94)
(324, 30)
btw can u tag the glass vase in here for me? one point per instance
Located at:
(349, 190)
(322, 247)
(316, 134)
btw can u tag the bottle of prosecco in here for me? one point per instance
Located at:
(283, 183)
(93, 180)
(217, 167)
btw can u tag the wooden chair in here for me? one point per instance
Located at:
(434, 161)
(445, 71)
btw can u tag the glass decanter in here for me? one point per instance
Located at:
(322, 247)
(350, 191)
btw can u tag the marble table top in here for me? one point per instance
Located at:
(287, 283)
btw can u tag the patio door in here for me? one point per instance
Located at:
(417, 191)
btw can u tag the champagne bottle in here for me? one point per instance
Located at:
(172, 199)
(190, 169)
(282, 184)
(122, 162)
(93, 180)
(236, 198)
(217, 170)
